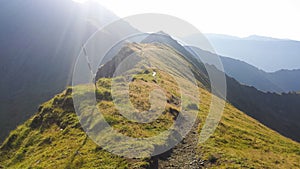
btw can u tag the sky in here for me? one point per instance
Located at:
(242, 18)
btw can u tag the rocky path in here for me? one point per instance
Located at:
(184, 155)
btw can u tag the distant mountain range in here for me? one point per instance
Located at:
(279, 81)
(268, 54)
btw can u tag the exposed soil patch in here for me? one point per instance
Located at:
(184, 155)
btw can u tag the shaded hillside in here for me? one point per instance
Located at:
(250, 75)
(54, 138)
(279, 81)
(286, 79)
(277, 111)
(39, 43)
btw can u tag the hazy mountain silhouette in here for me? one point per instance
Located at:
(268, 54)
(279, 81)
(39, 44)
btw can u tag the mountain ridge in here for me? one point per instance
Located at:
(54, 137)
(267, 55)
(277, 111)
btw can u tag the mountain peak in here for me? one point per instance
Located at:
(262, 38)
(162, 32)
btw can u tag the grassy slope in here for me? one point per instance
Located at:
(239, 141)
(242, 142)
(53, 138)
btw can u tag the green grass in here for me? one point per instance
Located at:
(242, 142)
(54, 138)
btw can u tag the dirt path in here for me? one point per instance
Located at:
(184, 155)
